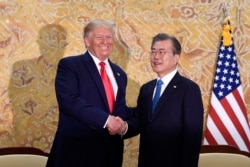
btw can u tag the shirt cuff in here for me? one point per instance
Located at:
(106, 123)
(126, 124)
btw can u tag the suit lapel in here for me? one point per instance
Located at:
(93, 71)
(169, 90)
(119, 81)
(149, 98)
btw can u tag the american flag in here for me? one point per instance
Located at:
(227, 122)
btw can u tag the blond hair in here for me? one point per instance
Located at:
(97, 24)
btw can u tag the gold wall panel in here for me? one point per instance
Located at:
(35, 34)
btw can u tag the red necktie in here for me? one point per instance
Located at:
(108, 87)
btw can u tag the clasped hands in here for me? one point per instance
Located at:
(116, 125)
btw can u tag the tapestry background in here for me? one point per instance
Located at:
(35, 34)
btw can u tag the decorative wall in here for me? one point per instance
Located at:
(35, 34)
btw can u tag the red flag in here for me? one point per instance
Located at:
(227, 122)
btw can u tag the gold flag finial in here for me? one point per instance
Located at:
(226, 32)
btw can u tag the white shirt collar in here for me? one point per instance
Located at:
(97, 61)
(167, 78)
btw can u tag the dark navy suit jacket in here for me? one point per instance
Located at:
(80, 139)
(172, 135)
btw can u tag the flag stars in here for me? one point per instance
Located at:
(232, 72)
(227, 77)
(216, 77)
(228, 56)
(223, 78)
(225, 71)
(237, 81)
(222, 48)
(233, 65)
(221, 55)
(222, 86)
(226, 64)
(229, 87)
(220, 93)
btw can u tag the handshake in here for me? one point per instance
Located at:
(116, 125)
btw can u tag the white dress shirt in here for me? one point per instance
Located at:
(110, 75)
(166, 79)
(108, 70)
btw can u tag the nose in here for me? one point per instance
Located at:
(105, 40)
(157, 55)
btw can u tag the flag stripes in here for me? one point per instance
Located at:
(226, 125)
(227, 122)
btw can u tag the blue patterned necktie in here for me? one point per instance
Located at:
(157, 94)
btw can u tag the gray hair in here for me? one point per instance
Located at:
(163, 37)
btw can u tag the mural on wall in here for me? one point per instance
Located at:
(34, 35)
(31, 90)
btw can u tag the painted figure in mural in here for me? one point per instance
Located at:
(88, 112)
(31, 89)
(170, 126)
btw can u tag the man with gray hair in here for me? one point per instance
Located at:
(169, 115)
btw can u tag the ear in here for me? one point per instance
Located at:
(86, 41)
(176, 56)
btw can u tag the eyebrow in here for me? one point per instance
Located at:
(157, 49)
(161, 49)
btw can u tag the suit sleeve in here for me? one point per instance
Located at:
(69, 100)
(134, 118)
(192, 126)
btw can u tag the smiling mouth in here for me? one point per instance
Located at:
(156, 63)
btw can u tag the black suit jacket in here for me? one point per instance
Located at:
(80, 139)
(172, 135)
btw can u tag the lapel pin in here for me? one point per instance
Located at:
(175, 86)
(118, 74)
